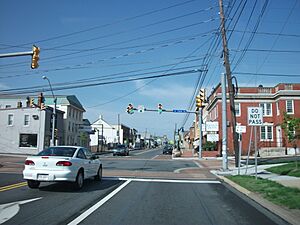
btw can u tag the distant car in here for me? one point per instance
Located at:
(62, 163)
(121, 150)
(168, 149)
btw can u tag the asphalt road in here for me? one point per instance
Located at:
(200, 199)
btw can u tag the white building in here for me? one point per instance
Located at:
(103, 131)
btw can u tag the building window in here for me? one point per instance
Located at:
(267, 109)
(290, 106)
(266, 133)
(26, 120)
(277, 108)
(69, 113)
(10, 120)
(69, 127)
(28, 140)
(288, 87)
(237, 107)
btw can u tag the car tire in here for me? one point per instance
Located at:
(99, 174)
(34, 184)
(79, 180)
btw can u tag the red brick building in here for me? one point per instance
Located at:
(274, 101)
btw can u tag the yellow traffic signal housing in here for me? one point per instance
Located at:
(202, 95)
(35, 57)
(43, 106)
(31, 103)
(198, 101)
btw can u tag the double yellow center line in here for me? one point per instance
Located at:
(13, 186)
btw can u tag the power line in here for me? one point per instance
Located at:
(268, 74)
(104, 83)
(104, 25)
(118, 43)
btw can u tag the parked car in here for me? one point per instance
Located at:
(121, 150)
(62, 163)
(168, 149)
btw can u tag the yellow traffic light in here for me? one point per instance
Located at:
(35, 57)
(31, 102)
(198, 101)
(202, 95)
(43, 106)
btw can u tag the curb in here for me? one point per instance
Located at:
(277, 210)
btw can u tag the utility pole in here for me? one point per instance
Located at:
(224, 123)
(229, 82)
(200, 131)
(119, 129)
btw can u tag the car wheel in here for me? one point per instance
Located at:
(79, 180)
(99, 174)
(33, 184)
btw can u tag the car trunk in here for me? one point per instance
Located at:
(48, 162)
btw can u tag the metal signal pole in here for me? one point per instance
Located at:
(229, 82)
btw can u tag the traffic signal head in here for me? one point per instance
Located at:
(130, 109)
(202, 95)
(35, 57)
(55, 132)
(31, 103)
(43, 106)
(160, 108)
(198, 101)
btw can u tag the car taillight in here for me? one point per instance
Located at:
(64, 163)
(29, 163)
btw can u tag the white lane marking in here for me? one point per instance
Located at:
(189, 168)
(151, 150)
(179, 181)
(198, 164)
(97, 205)
(155, 157)
(165, 181)
(9, 210)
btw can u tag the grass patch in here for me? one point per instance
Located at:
(287, 169)
(271, 190)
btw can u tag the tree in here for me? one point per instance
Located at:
(291, 127)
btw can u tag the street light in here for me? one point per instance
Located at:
(52, 143)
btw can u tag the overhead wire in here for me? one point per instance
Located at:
(103, 25)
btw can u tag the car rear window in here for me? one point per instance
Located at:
(55, 151)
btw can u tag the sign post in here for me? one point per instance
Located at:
(240, 129)
(255, 118)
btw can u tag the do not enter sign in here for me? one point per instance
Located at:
(255, 116)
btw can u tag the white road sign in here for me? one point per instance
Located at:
(212, 126)
(213, 137)
(240, 129)
(255, 116)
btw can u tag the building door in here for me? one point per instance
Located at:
(278, 136)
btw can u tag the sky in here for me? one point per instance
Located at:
(103, 44)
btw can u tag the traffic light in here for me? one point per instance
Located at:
(130, 109)
(31, 102)
(160, 108)
(55, 132)
(202, 95)
(35, 57)
(198, 101)
(43, 106)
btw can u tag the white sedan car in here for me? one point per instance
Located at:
(62, 163)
